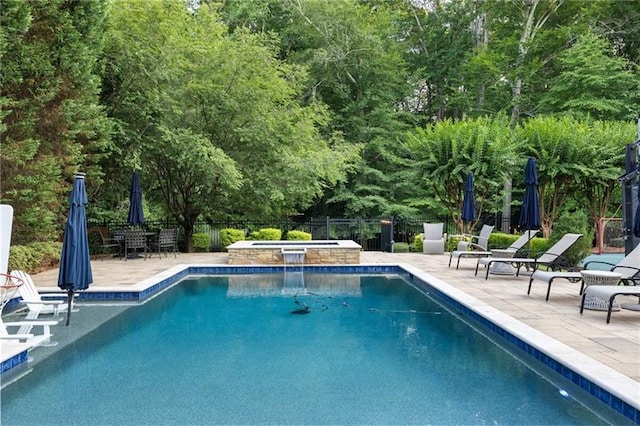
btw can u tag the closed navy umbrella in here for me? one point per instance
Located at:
(530, 211)
(136, 215)
(468, 202)
(636, 222)
(75, 263)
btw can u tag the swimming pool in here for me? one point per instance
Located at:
(203, 353)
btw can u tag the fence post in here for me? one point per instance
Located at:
(327, 227)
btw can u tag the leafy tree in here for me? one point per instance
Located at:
(52, 124)
(439, 37)
(189, 172)
(560, 147)
(356, 68)
(605, 151)
(619, 22)
(447, 151)
(179, 79)
(593, 83)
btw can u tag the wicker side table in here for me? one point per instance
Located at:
(599, 278)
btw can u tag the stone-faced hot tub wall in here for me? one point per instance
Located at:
(318, 252)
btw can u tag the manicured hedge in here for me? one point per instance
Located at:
(267, 234)
(401, 247)
(229, 236)
(298, 236)
(201, 242)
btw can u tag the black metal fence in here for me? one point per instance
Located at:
(372, 234)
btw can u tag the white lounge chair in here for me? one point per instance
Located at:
(434, 238)
(476, 248)
(552, 258)
(628, 268)
(24, 334)
(34, 301)
(609, 292)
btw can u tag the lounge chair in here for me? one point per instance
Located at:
(550, 276)
(628, 268)
(24, 334)
(476, 248)
(517, 245)
(434, 238)
(609, 292)
(552, 258)
(34, 301)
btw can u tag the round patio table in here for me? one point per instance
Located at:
(502, 268)
(595, 303)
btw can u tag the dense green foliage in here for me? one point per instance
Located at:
(298, 236)
(34, 257)
(270, 108)
(267, 234)
(52, 123)
(447, 151)
(229, 236)
(201, 241)
(574, 222)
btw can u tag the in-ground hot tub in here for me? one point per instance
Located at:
(316, 252)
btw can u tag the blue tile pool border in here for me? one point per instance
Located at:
(548, 362)
(14, 361)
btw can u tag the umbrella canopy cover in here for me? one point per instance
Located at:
(75, 263)
(530, 211)
(468, 202)
(636, 221)
(136, 215)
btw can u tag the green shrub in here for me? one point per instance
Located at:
(537, 246)
(401, 247)
(269, 234)
(575, 222)
(416, 246)
(298, 236)
(201, 242)
(229, 236)
(35, 257)
(500, 240)
(453, 240)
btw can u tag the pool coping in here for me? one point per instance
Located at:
(613, 388)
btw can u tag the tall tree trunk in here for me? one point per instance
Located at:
(531, 28)
(481, 35)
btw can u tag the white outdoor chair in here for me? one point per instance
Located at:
(33, 299)
(24, 335)
(434, 238)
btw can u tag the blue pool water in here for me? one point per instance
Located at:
(371, 350)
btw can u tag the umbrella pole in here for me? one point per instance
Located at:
(69, 299)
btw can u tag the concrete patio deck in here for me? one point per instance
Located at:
(616, 345)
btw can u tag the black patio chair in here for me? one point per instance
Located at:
(106, 246)
(135, 241)
(167, 241)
